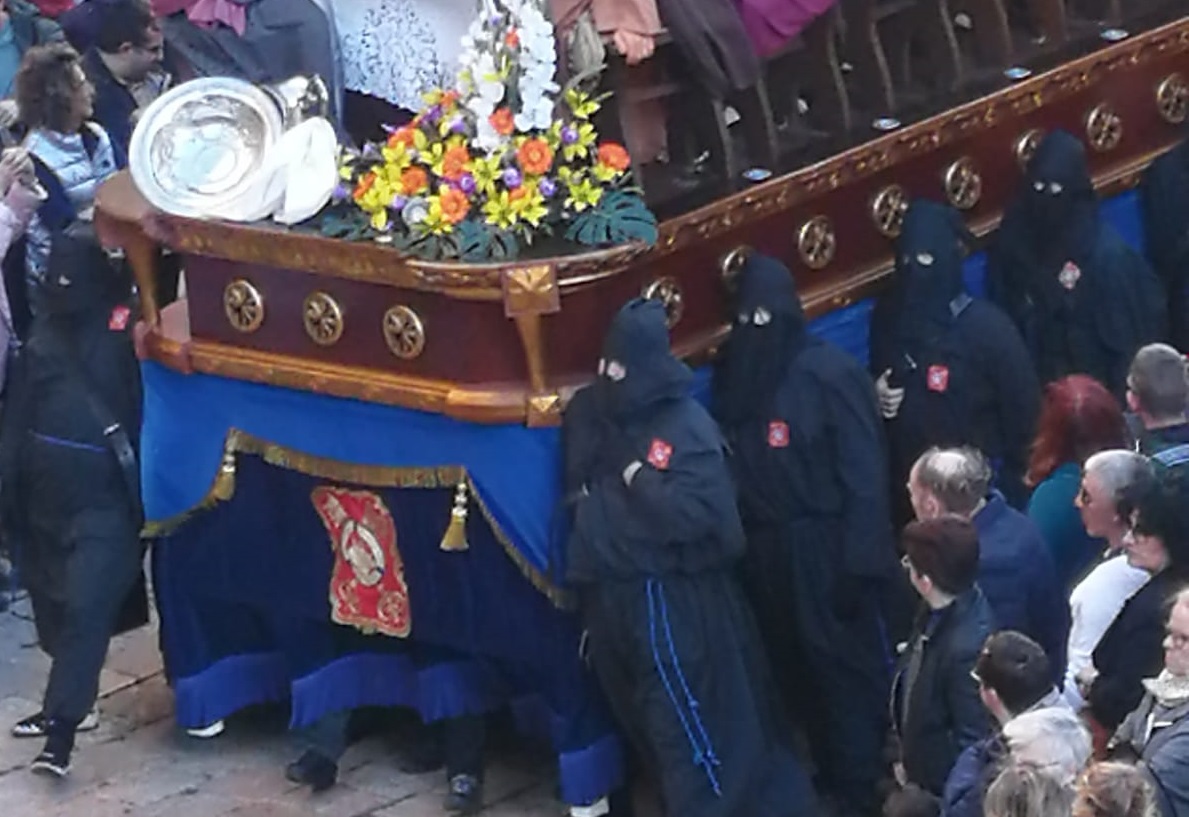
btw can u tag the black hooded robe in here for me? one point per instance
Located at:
(66, 500)
(964, 368)
(670, 634)
(1084, 301)
(807, 450)
(1164, 206)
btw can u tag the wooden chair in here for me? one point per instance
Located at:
(811, 65)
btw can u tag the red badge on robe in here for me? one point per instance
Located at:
(118, 321)
(659, 454)
(778, 434)
(367, 584)
(938, 378)
(1070, 275)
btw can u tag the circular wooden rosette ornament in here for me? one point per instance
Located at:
(668, 292)
(1172, 99)
(404, 333)
(1026, 145)
(323, 319)
(816, 242)
(888, 209)
(1104, 128)
(963, 184)
(243, 305)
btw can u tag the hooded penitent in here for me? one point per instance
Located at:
(653, 551)
(1082, 298)
(807, 451)
(964, 368)
(1163, 193)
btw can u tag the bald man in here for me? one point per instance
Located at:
(1015, 568)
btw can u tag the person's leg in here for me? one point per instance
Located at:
(463, 739)
(326, 741)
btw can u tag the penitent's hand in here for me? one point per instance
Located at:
(635, 47)
(889, 398)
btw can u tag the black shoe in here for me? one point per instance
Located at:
(313, 770)
(34, 726)
(52, 762)
(466, 795)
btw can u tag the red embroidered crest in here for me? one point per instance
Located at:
(367, 584)
(659, 454)
(1070, 275)
(778, 434)
(938, 378)
(118, 321)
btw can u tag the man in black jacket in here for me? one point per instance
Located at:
(807, 450)
(937, 712)
(653, 550)
(1158, 397)
(71, 493)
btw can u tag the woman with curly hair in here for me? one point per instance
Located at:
(1079, 418)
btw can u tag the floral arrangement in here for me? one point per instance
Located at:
(501, 160)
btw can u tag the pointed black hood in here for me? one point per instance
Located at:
(1059, 199)
(927, 282)
(638, 369)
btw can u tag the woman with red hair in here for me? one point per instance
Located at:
(1079, 418)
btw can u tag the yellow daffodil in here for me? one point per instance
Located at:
(486, 171)
(530, 207)
(580, 147)
(501, 211)
(581, 104)
(583, 194)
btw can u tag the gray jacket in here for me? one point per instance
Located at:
(1158, 737)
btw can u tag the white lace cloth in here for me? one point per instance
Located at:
(398, 49)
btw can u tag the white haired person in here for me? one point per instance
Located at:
(1051, 739)
(1157, 733)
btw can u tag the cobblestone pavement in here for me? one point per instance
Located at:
(139, 764)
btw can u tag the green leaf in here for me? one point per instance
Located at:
(482, 242)
(618, 218)
(346, 224)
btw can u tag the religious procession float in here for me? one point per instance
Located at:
(350, 449)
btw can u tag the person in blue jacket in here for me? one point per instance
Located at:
(1015, 569)
(653, 550)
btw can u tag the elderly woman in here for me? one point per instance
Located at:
(1130, 650)
(1078, 418)
(1157, 732)
(1113, 790)
(1110, 482)
(73, 155)
(1021, 790)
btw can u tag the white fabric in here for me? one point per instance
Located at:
(399, 49)
(1094, 604)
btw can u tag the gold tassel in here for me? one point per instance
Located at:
(224, 487)
(456, 532)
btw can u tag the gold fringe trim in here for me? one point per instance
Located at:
(375, 476)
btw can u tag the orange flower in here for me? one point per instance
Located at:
(413, 181)
(614, 156)
(365, 184)
(512, 38)
(535, 157)
(455, 205)
(449, 98)
(454, 162)
(502, 121)
(518, 193)
(401, 137)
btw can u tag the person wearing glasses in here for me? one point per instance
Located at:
(1013, 677)
(1156, 733)
(936, 709)
(1111, 480)
(1158, 544)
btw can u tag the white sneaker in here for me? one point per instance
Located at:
(596, 809)
(34, 725)
(207, 732)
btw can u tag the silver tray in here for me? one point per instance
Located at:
(197, 148)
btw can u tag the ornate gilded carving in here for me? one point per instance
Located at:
(404, 333)
(668, 292)
(1026, 145)
(243, 305)
(816, 242)
(731, 264)
(1104, 128)
(963, 184)
(1172, 99)
(323, 319)
(531, 289)
(888, 208)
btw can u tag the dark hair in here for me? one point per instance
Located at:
(945, 549)
(123, 21)
(1079, 417)
(45, 86)
(1016, 668)
(1160, 512)
(911, 801)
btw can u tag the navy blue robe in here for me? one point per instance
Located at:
(1163, 193)
(807, 450)
(670, 634)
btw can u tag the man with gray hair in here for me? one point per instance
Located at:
(1110, 482)
(1016, 570)
(1158, 397)
(1052, 740)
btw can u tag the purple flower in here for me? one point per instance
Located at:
(341, 192)
(466, 183)
(433, 114)
(459, 125)
(370, 151)
(398, 202)
(569, 135)
(547, 187)
(512, 178)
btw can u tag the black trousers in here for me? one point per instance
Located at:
(460, 740)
